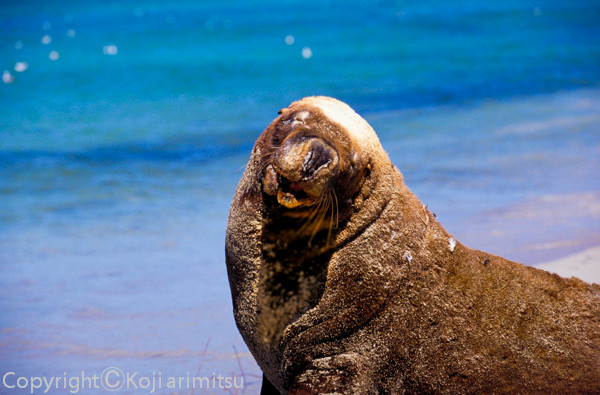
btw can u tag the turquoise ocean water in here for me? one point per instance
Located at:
(124, 128)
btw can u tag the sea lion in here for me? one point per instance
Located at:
(343, 281)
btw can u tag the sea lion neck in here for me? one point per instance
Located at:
(375, 192)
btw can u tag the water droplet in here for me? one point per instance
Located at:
(19, 44)
(110, 50)
(289, 39)
(21, 66)
(307, 53)
(7, 77)
(46, 39)
(71, 33)
(47, 25)
(53, 55)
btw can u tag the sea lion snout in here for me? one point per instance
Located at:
(307, 169)
(306, 158)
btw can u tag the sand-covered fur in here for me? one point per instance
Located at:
(343, 281)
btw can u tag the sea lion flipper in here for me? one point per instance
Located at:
(335, 374)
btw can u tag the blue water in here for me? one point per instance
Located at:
(119, 156)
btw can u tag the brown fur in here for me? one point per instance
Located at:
(387, 301)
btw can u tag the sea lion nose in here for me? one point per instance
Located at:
(304, 158)
(319, 155)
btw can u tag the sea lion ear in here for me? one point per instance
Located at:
(283, 110)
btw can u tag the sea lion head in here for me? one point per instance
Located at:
(303, 169)
(318, 153)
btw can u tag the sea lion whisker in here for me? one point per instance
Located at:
(333, 210)
(318, 221)
(337, 209)
(317, 210)
(322, 206)
(334, 217)
(311, 216)
(269, 153)
(266, 159)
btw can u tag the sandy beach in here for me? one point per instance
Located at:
(584, 265)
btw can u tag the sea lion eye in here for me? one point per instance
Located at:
(296, 119)
(300, 118)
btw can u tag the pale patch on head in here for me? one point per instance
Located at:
(341, 114)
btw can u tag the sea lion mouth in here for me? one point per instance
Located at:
(302, 171)
(291, 194)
